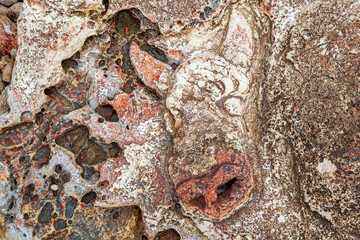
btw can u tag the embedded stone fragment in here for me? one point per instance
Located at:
(88, 197)
(42, 156)
(18, 135)
(6, 67)
(328, 113)
(74, 139)
(91, 154)
(46, 213)
(108, 112)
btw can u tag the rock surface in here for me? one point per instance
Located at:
(8, 3)
(180, 120)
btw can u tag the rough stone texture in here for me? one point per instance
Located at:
(180, 120)
(8, 35)
(6, 67)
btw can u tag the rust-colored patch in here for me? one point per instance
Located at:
(216, 192)
(8, 35)
(148, 68)
(20, 134)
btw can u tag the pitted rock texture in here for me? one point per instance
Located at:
(179, 119)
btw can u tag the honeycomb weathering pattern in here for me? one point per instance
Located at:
(196, 119)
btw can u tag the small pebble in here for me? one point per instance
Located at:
(7, 3)
(54, 187)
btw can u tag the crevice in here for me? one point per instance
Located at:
(223, 189)
(106, 5)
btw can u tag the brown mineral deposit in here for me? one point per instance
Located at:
(8, 35)
(6, 67)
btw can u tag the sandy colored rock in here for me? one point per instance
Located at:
(13, 12)
(6, 67)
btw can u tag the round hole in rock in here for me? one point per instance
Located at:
(168, 234)
(58, 168)
(116, 215)
(225, 187)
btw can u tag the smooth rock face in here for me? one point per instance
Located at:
(179, 120)
(8, 3)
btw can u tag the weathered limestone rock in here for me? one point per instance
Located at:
(180, 120)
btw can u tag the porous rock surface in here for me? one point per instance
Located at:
(180, 120)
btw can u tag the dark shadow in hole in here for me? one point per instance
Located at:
(68, 64)
(223, 189)
(126, 24)
(54, 94)
(155, 52)
(106, 4)
(168, 234)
